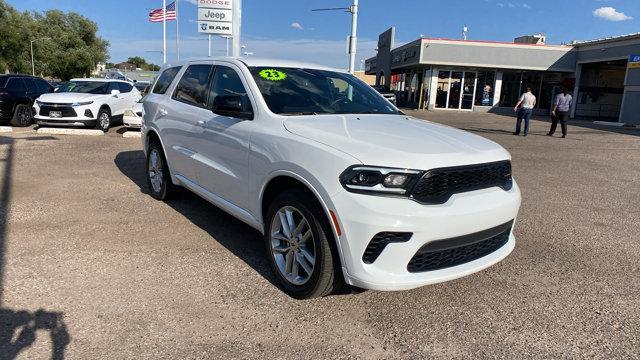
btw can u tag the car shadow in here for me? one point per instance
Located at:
(19, 328)
(240, 239)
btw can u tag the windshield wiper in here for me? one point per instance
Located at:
(299, 113)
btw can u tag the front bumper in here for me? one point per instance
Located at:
(132, 121)
(80, 120)
(361, 217)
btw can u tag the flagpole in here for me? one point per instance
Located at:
(177, 30)
(164, 31)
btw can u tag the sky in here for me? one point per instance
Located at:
(289, 29)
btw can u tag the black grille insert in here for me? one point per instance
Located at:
(65, 111)
(447, 253)
(437, 185)
(380, 241)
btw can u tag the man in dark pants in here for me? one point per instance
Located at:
(561, 109)
(525, 105)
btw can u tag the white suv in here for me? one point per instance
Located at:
(86, 102)
(344, 187)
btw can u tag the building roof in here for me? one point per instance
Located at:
(607, 39)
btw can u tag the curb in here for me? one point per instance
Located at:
(4, 129)
(132, 134)
(57, 131)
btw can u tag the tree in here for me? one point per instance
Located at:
(71, 47)
(137, 61)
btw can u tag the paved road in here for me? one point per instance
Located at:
(92, 267)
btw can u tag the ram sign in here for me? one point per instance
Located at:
(215, 17)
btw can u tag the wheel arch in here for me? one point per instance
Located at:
(279, 181)
(152, 134)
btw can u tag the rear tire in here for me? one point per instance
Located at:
(103, 122)
(22, 116)
(299, 241)
(158, 177)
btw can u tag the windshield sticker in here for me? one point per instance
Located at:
(272, 75)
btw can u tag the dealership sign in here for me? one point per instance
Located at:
(215, 17)
(634, 62)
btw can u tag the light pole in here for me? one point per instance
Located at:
(209, 45)
(226, 37)
(353, 9)
(33, 64)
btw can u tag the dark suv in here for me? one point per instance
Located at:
(17, 94)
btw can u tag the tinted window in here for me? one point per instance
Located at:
(124, 88)
(165, 80)
(294, 91)
(43, 86)
(84, 87)
(16, 84)
(3, 81)
(113, 86)
(227, 82)
(31, 85)
(192, 87)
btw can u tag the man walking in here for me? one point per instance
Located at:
(524, 110)
(561, 108)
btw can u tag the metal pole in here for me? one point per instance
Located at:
(353, 38)
(237, 21)
(209, 45)
(33, 65)
(177, 30)
(227, 45)
(164, 31)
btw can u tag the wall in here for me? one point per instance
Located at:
(498, 55)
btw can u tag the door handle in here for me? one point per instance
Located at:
(163, 112)
(201, 123)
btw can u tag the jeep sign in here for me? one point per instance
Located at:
(215, 17)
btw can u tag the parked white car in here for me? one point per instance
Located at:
(86, 102)
(344, 186)
(132, 118)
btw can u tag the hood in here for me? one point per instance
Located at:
(67, 97)
(397, 140)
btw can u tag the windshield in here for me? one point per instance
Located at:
(293, 91)
(85, 87)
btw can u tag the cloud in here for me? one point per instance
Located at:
(526, 6)
(610, 14)
(296, 25)
(325, 52)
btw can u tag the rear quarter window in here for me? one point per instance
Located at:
(125, 88)
(165, 80)
(3, 81)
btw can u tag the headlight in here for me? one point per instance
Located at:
(80, 103)
(130, 113)
(372, 179)
(38, 102)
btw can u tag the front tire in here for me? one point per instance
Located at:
(297, 238)
(104, 120)
(158, 176)
(22, 116)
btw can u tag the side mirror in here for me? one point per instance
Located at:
(115, 92)
(231, 106)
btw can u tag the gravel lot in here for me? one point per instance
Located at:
(92, 267)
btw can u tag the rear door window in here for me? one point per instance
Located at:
(124, 88)
(43, 86)
(3, 81)
(113, 86)
(192, 88)
(16, 84)
(165, 80)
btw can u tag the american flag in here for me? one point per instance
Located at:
(156, 15)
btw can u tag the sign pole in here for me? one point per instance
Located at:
(177, 30)
(237, 21)
(353, 38)
(209, 45)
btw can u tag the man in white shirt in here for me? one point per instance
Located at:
(524, 109)
(561, 109)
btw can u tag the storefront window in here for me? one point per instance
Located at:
(510, 88)
(485, 88)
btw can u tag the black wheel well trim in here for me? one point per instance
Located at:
(152, 133)
(105, 106)
(288, 180)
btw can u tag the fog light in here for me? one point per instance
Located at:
(88, 113)
(395, 180)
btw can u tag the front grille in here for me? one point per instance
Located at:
(437, 185)
(380, 241)
(447, 253)
(66, 111)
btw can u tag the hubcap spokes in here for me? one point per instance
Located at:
(292, 245)
(155, 170)
(104, 120)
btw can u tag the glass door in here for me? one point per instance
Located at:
(468, 90)
(455, 87)
(442, 94)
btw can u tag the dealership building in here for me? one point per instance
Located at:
(469, 75)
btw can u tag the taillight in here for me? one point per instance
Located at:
(3, 93)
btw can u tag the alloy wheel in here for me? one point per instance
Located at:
(155, 170)
(104, 120)
(24, 115)
(292, 245)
